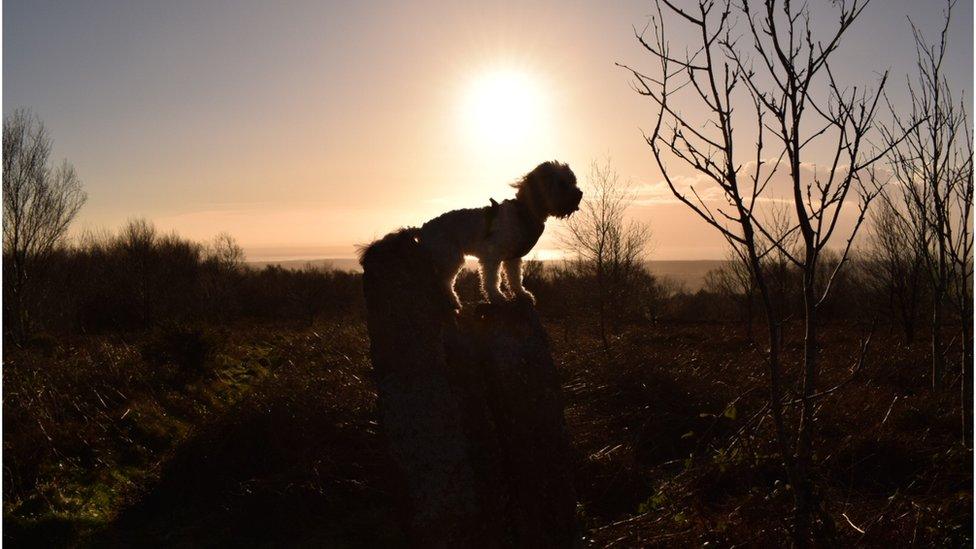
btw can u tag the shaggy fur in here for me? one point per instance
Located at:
(500, 234)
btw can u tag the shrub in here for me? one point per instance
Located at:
(184, 348)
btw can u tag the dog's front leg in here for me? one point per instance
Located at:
(489, 280)
(513, 273)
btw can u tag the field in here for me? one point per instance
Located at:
(265, 433)
(688, 274)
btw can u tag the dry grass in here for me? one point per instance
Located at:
(276, 441)
(678, 448)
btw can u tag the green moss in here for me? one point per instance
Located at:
(69, 498)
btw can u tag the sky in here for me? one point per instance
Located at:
(305, 128)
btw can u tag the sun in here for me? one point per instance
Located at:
(503, 108)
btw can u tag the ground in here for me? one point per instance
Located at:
(271, 438)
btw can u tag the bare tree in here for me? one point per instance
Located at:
(39, 203)
(894, 268)
(933, 168)
(223, 273)
(734, 279)
(226, 252)
(604, 244)
(701, 95)
(778, 271)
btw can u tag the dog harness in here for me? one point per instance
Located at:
(491, 212)
(533, 230)
(533, 227)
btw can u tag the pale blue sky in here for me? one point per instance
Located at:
(321, 124)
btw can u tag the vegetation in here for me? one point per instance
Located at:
(138, 279)
(250, 417)
(39, 203)
(773, 73)
(604, 246)
(158, 390)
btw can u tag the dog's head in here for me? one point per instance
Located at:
(550, 189)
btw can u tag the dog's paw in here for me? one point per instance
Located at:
(451, 304)
(525, 295)
(495, 298)
(483, 307)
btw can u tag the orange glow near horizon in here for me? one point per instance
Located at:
(316, 126)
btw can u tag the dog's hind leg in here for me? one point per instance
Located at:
(489, 280)
(451, 293)
(449, 272)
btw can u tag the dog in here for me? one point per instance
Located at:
(500, 234)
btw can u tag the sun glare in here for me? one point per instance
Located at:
(503, 108)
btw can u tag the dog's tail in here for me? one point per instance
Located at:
(399, 264)
(388, 248)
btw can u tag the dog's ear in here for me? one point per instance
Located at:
(530, 187)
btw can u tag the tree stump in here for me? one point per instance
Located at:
(471, 409)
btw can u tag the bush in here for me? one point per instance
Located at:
(139, 278)
(183, 348)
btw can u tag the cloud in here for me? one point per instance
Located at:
(778, 189)
(650, 194)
